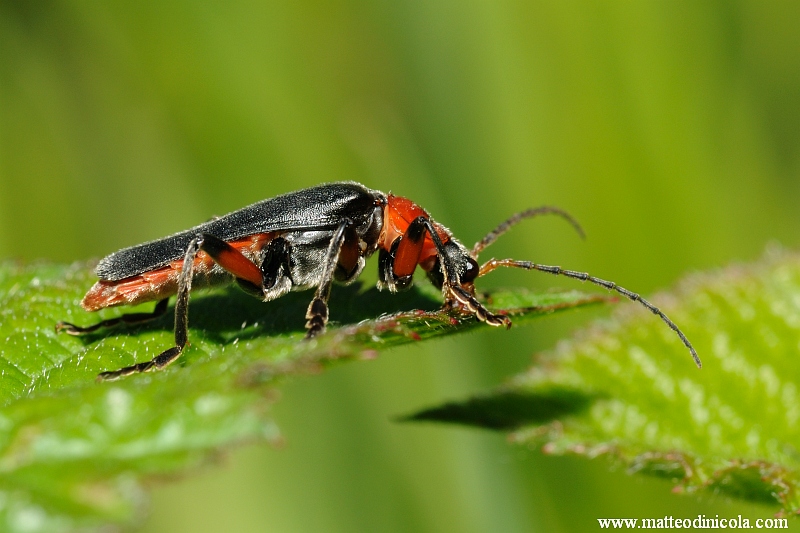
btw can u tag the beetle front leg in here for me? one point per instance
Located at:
(451, 278)
(472, 305)
(396, 267)
(317, 314)
(181, 322)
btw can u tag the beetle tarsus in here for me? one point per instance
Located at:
(71, 329)
(114, 375)
(471, 303)
(317, 318)
(163, 360)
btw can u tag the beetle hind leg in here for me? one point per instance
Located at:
(181, 321)
(127, 319)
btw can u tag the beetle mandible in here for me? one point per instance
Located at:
(301, 240)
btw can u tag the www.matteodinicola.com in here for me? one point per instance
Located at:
(701, 522)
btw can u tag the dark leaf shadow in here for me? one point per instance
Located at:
(508, 410)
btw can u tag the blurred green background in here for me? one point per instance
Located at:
(671, 130)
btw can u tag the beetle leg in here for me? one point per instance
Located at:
(451, 287)
(350, 261)
(231, 259)
(128, 319)
(181, 321)
(476, 308)
(269, 281)
(396, 267)
(276, 268)
(317, 314)
(409, 249)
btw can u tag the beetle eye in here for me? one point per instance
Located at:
(471, 271)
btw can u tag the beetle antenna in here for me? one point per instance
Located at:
(582, 276)
(519, 217)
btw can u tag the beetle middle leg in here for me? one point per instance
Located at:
(317, 314)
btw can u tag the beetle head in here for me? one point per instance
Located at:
(463, 266)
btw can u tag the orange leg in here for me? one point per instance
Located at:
(231, 259)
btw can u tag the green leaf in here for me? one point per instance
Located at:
(627, 388)
(74, 452)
